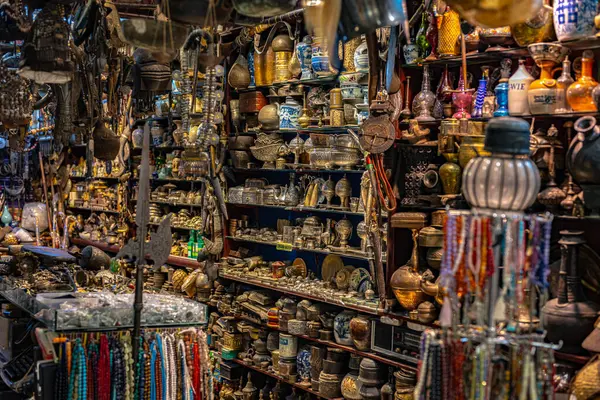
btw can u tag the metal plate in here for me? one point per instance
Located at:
(378, 134)
(331, 265)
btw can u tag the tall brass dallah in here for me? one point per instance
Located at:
(406, 281)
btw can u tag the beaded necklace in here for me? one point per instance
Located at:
(62, 374)
(161, 370)
(153, 370)
(104, 370)
(147, 371)
(78, 377)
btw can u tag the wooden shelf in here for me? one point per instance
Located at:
(302, 249)
(106, 178)
(577, 359)
(172, 260)
(99, 210)
(281, 379)
(300, 209)
(265, 285)
(360, 308)
(300, 171)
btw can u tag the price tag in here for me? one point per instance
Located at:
(284, 246)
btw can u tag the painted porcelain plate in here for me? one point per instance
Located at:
(357, 278)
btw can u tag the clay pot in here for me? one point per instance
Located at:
(92, 258)
(360, 331)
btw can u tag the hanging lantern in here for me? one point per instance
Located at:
(507, 179)
(46, 53)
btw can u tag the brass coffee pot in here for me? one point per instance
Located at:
(406, 281)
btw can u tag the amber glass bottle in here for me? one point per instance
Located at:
(579, 94)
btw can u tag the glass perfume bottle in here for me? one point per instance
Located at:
(518, 86)
(444, 93)
(579, 94)
(501, 90)
(432, 34)
(481, 92)
(424, 100)
(6, 216)
(563, 82)
(462, 98)
(421, 39)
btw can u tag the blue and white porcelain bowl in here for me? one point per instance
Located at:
(320, 65)
(351, 91)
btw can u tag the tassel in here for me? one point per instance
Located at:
(446, 314)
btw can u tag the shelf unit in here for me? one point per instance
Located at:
(363, 309)
(265, 285)
(280, 379)
(349, 349)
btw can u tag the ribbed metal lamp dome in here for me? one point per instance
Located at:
(507, 180)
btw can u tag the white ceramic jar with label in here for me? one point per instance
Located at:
(518, 87)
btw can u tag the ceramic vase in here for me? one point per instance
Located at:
(303, 365)
(350, 385)
(341, 327)
(360, 331)
(304, 53)
(518, 86)
(411, 53)
(137, 137)
(545, 97)
(574, 19)
(6, 216)
(289, 113)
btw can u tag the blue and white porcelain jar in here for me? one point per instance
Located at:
(303, 364)
(289, 113)
(304, 52)
(341, 327)
(574, 19)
